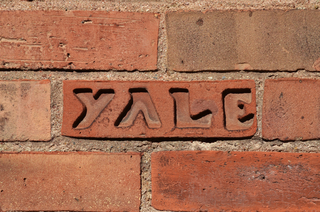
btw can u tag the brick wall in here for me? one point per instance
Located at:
(164, 105)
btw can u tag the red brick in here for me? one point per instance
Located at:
(290, 108)
(78, 40)
(69, 182)
(235, 181)
(25, 110)
(244, 40)
(120, 109)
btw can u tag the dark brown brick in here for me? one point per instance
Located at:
(237, 40)
(235, 181)
(120, 109)
(78, 40)
(25, 110)
(69, 182)
(290, 109)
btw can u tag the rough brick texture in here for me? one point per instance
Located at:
(25, 110)
(290, 109)
(238, 40)
(69, 182)
(235, 181)
(78, 40)
(159, 109)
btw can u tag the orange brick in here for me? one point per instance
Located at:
(235, 181)
(69, 182)
(244, 40)
(78, 40)
(120, 109)
(290, 108)
(25, 110)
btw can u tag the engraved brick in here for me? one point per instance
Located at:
(120, 109)
(25, 110)
(244, 40)
(78, 40)
(290, 109)
(235, 181)
(69, 182)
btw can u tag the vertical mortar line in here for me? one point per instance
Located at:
(162, 45)
(259, 101)
(51, 111)
(56, 80)
(146, 184)
(144, 191)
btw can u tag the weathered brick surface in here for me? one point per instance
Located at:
(159, 109)
(69, 182)
(235, 181)
(78, 40)
(25, 110)
(290, 109)
(236, 40)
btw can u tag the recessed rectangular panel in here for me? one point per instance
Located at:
(120, 109)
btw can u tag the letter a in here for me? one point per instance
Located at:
(140, 102)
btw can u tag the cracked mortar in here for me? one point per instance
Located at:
(61, 143)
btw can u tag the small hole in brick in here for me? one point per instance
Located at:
(86, 21)
(199, 22)
(300, 81)
(262, 177)
(302, 117)
(1, 191)
(241, 106)
(68, 54)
